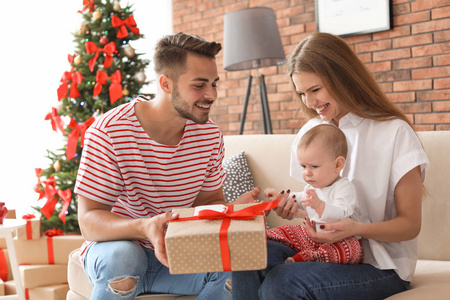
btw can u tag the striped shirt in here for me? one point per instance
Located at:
(123, 167)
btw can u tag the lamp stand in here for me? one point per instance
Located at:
(264, 104)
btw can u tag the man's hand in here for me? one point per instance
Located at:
(154, 229)
(249, 197)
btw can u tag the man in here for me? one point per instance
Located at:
(141, 160)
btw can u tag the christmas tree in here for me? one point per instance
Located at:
(105, 71)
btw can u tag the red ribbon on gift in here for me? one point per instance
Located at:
(51, 257)
(115, 88)
(55, 120)
(74, 79)
(3, 266)
(54, 232)
(123, 24)
(109, 49)
(247, 213)
(77, 131)
(29, 229)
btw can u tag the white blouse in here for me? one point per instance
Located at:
(380, 154)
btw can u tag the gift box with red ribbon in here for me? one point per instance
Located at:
(217, 238)
(32, 229)
(49, 249)
(42, 275)
(50, 292)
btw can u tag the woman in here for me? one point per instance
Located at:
(386, 163)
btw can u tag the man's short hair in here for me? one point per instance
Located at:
(171, 52)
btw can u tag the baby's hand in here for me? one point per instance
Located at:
(313, 201)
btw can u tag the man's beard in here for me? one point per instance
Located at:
(183, 110)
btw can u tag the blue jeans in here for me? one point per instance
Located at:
(312, 280)
(109, 261)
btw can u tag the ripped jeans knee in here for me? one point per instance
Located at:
(124, 285)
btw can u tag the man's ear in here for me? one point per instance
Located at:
(340, 163)
(165, 83)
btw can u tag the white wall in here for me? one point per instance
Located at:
(36, 38)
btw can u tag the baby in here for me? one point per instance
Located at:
(326, 198)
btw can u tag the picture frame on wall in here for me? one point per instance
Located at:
(353, 17)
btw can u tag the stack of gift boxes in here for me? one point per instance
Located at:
(42, 259)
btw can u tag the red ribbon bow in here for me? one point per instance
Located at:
(55, 120)
(247, 213)
(75, 79)
(29, 228)
(54, 232)
(122, 24)
(28, 216)
(88, 4)
(109, 49)
(37, 187)
(50, 192)
(72, 137)
(65, 196)
(115, 88)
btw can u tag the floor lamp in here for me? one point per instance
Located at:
(252, 41)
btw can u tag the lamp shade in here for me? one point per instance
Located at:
(251, 39)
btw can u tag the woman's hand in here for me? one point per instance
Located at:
(333, 231)
(288, 207)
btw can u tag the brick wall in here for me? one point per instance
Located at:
(411, 62)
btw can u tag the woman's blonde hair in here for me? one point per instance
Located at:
(344, 76)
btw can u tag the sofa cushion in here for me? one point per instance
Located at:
(431, 281)
(239, 177)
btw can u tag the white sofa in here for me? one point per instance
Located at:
(268, 159)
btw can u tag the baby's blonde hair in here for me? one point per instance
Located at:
(329, 136)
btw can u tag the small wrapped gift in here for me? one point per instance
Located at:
(51, 292)
(32, 230)
(217, 238)
(42, 275)
(47, 249)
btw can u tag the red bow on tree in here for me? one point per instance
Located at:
(55, 120)
(88, 4)
(65, 196)
(115, 88)
(75, 79)
(37, 187)
(109, 49)
(72, 138)
(122, 24)
(50, 193)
